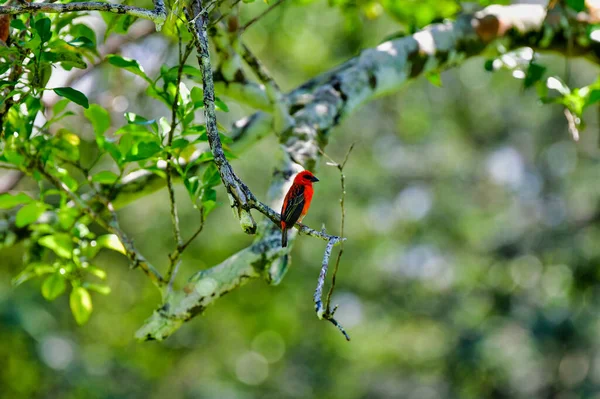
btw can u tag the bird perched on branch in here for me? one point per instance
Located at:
(296, 202)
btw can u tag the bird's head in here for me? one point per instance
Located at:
(305, 178)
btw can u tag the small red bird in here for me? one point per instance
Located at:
(296, 202)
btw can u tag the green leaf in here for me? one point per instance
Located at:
(192, 130)
(29, 213)
(9, 201)
(220, 105)
(138, 120)
(577, 5)
(60, 243)
(197, 96)
(4, 83)
(67, 59)
(82, 30)
(99, 288)
(192, 186)
(209, 200)
(129, 65)
(66, 144)
(100, 119)
(110, 241)
(82, 41)
(81, 305)
(74, 95)
(60, 106)
(42, 27)
(18, 24)
(434, 78)
(534, 74)
(53, 286)
(138, 146)
(593, 97)
(105, 177)
(94, 271)
(211, 176)
(32, 270)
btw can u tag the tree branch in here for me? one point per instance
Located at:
(320, 104)
(158, 15)
(239, 194)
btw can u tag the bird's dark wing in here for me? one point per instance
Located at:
(295, 204)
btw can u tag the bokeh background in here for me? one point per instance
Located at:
(471, 268)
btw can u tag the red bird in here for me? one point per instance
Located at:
(296, 202)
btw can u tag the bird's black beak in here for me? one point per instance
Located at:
(314, 179)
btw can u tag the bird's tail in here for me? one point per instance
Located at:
(284, 237)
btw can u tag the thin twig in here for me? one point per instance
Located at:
(158, 15)
(325, 312)
(174, 258)
(343, 217)
(259, 16)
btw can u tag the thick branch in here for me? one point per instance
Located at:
(158, 15)
(318, 106)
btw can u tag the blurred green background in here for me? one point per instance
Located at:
(470, 270)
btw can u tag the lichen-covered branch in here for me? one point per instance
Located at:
(329, 98)
(239, 194)
(158, 15)
(318, 106)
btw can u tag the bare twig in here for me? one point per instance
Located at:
(158, 15)
(326, 312)
(175, 257)
(573, 122)
(340, 167)
(259, 16)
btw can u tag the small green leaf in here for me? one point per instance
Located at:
(42, 26)
(105, 177)
(99, 288)
(82, 41)
(138, 120)
(535, 72)
(53, 286)
(60, 106)
(60, 243)
(8, 200)
(434, 78)
(74, 95)
(221, 106)
(66, 144)
(110, 241)
(577, 5)
(30, 213)
(192, 186)
(18, 24)
(100, 119)
(81, 305)
(192, 130)
(209, 200)
(129, 65)
(211, 176)
(32, 270)
(93, 270)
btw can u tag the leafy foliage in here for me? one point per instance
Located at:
(62, 242)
